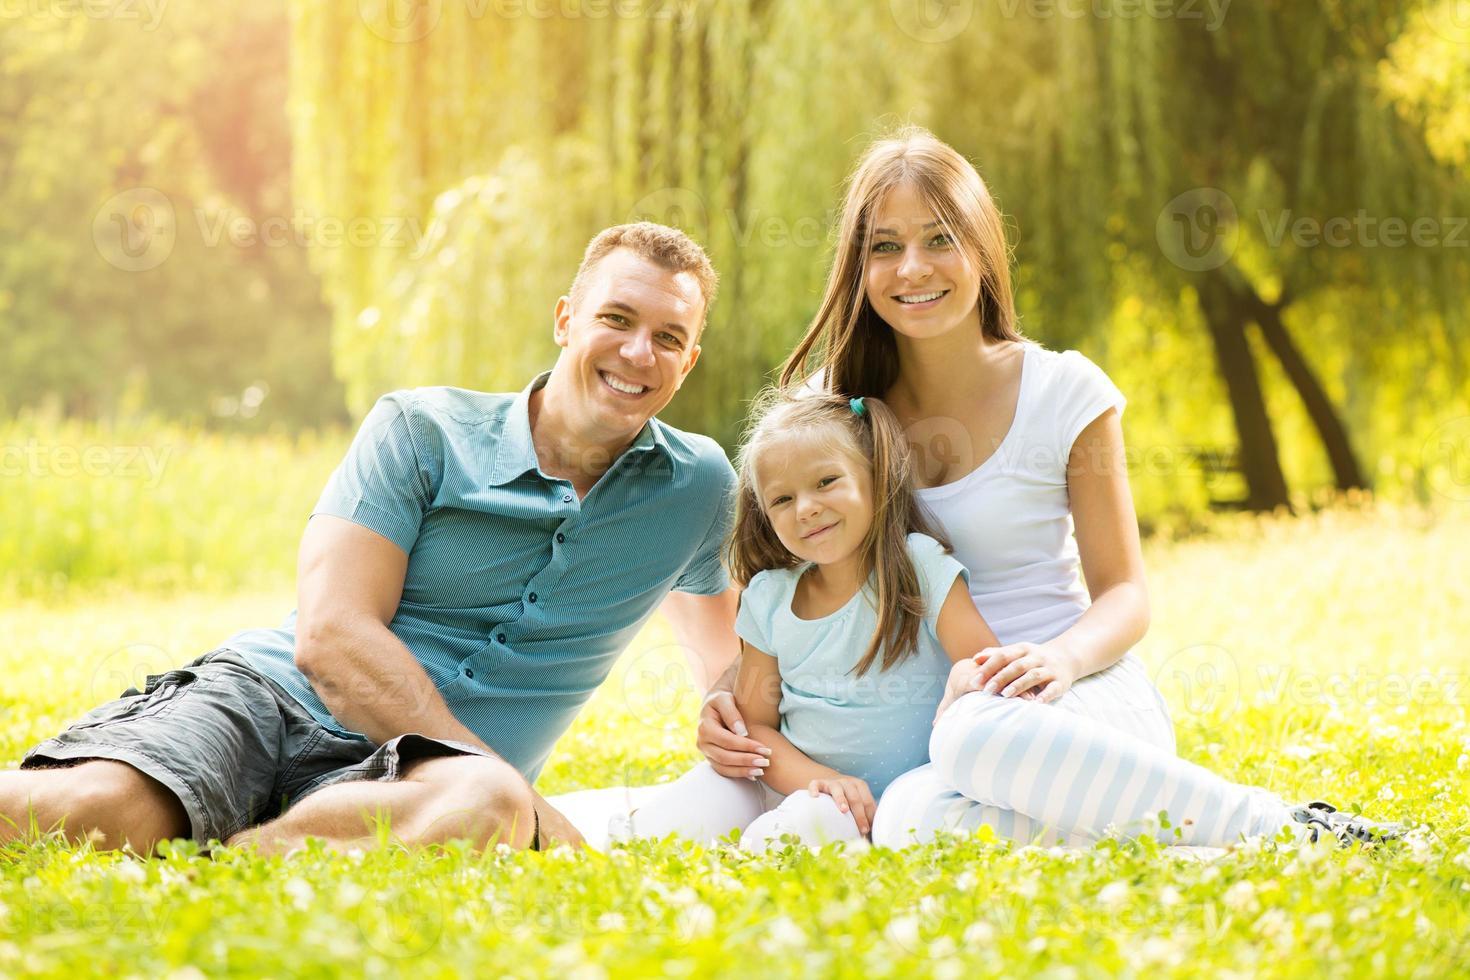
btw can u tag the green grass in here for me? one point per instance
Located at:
(1320, 658)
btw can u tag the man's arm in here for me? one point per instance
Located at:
(704, 626)
(349, 582)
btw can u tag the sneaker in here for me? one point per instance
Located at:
(1318, 817)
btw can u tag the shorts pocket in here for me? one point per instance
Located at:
(160, 693)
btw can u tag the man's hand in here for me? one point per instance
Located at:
(724, 740)
(556, 828)
(851, 795)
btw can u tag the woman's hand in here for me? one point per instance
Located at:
(1043, 670)
(722, 739)
(851, 795)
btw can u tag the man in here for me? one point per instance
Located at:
(468, 577)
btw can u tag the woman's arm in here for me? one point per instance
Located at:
(1107, 540)
(1112, 564)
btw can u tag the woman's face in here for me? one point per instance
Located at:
(917, 277)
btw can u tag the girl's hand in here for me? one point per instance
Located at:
(962, 681)
(851, 795)
(1042, 670)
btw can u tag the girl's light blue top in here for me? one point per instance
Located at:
(875, 726)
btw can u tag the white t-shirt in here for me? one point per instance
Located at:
(1010, 519)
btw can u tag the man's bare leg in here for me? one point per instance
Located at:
(110, 803)
(474, 797)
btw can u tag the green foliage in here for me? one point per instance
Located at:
(150, 255)
(739, 120)
(1285, 662)
(152, 504)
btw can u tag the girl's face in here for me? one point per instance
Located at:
(819, 500)
(917, 277)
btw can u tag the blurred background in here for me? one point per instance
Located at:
(225, 229)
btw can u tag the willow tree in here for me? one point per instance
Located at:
(1259, 162)
(515, 137)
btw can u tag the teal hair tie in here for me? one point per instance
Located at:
(857, 406)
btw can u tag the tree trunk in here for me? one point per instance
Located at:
(1345, 468)
(1260, 463)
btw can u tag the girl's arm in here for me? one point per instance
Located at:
(964, 634)
(1112, 564)
(758, 696)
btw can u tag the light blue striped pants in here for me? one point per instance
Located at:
(1099, 759)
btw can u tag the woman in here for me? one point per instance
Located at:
(1015, 445)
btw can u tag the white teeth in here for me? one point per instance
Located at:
(622, 386)
(921, 297)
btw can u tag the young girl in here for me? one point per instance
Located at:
(852, 615)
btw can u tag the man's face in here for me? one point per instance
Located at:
(629, 341)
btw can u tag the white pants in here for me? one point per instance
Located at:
(704, 806)
(1102, 757)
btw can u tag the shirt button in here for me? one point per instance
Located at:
(532, 597)
(567, 499)
(468, 672)
(560, 537)
(499, 637)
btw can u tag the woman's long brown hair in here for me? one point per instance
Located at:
(847, 341)
(875, 439)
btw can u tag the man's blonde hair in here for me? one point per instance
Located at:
(665, 246)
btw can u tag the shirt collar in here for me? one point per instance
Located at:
(516, 454)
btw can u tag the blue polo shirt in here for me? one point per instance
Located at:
(518, 596)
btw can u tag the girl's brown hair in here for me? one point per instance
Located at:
(850, 343)
(876, 440)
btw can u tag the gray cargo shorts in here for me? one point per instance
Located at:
(231, 744)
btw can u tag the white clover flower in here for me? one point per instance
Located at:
(979, 933)
(301, 893)
(1114, 894)
(1240, 896)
